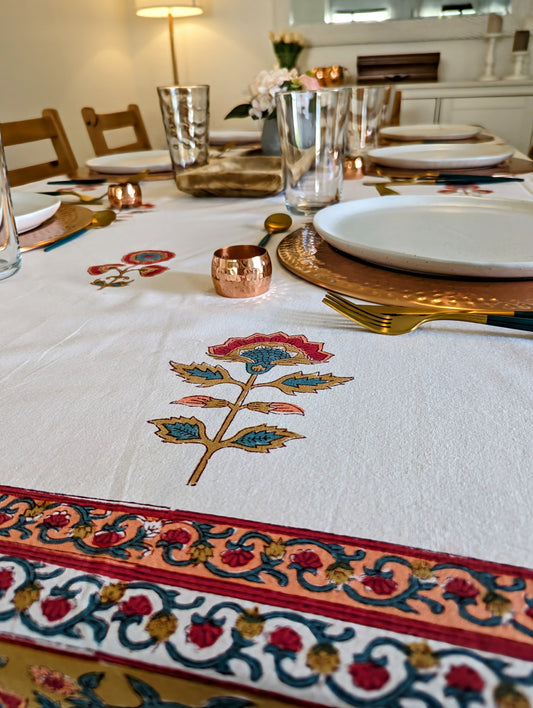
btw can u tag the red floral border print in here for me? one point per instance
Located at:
(473, 603)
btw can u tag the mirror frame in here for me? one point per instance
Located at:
(391, 31)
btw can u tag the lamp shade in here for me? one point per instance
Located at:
(155, 8)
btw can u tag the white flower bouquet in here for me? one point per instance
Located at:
(264, 88)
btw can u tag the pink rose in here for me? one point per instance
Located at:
(309, 83)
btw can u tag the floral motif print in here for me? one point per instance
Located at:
(368, 675)
(266, 646)
(145, 263)
(404, 586)
(53, 681)
(260, 353)
(265, 603)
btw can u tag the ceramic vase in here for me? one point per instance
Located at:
(270, 137)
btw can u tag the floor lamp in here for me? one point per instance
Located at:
(183, 8)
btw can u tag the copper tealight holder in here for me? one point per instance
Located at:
(329, 75)
(124, 195)
(241, 271)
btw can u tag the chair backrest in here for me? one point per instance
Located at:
(48, 127)
(98, 123)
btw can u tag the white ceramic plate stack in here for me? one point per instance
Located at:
(430, 131)
(441, 156)
(439, 235)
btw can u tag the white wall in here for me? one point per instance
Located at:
(66, 54)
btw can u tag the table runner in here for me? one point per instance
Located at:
(290, 569)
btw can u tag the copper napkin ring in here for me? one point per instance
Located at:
(241, 271)
(124, 195)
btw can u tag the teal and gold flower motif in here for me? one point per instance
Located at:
(146, 263)
(261, 352)
(142, 257)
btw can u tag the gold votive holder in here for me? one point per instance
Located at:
(124, 195)
(241, 271)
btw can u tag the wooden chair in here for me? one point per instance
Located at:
(98, 123)
(391, 106)
(48, 127)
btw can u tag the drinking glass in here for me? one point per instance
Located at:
(185, 111)
(9, 246)
(366, 111)
(312, 128)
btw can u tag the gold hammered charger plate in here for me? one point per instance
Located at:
(311, 258)
(68, 219)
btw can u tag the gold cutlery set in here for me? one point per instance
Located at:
(392, 319)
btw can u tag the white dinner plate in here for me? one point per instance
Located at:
(430, 131)
(440, 235)
(32, 210)
(131, 162)
(441, 156)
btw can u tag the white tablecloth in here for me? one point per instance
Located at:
(430, 444)
(425, 440)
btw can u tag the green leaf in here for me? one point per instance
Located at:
(307, 383)
(180, 430)
(91, 680)
(261, 438)
(240, 111)
(202, 374)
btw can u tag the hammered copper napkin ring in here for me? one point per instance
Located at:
(241, 271)
(124, 195)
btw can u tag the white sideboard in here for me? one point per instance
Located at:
(503, 107)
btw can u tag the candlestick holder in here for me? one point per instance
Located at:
(488, 74)
(521, 66)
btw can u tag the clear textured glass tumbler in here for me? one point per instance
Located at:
(185, 111)
(312, 128)
(9, 246)
(366, 110)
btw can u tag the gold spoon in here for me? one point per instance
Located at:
(98, 221)
(275, 224)
(85, 198)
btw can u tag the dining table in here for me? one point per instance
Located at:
(220, 502)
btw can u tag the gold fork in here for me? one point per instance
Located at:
(394, 324)
(422, 310)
